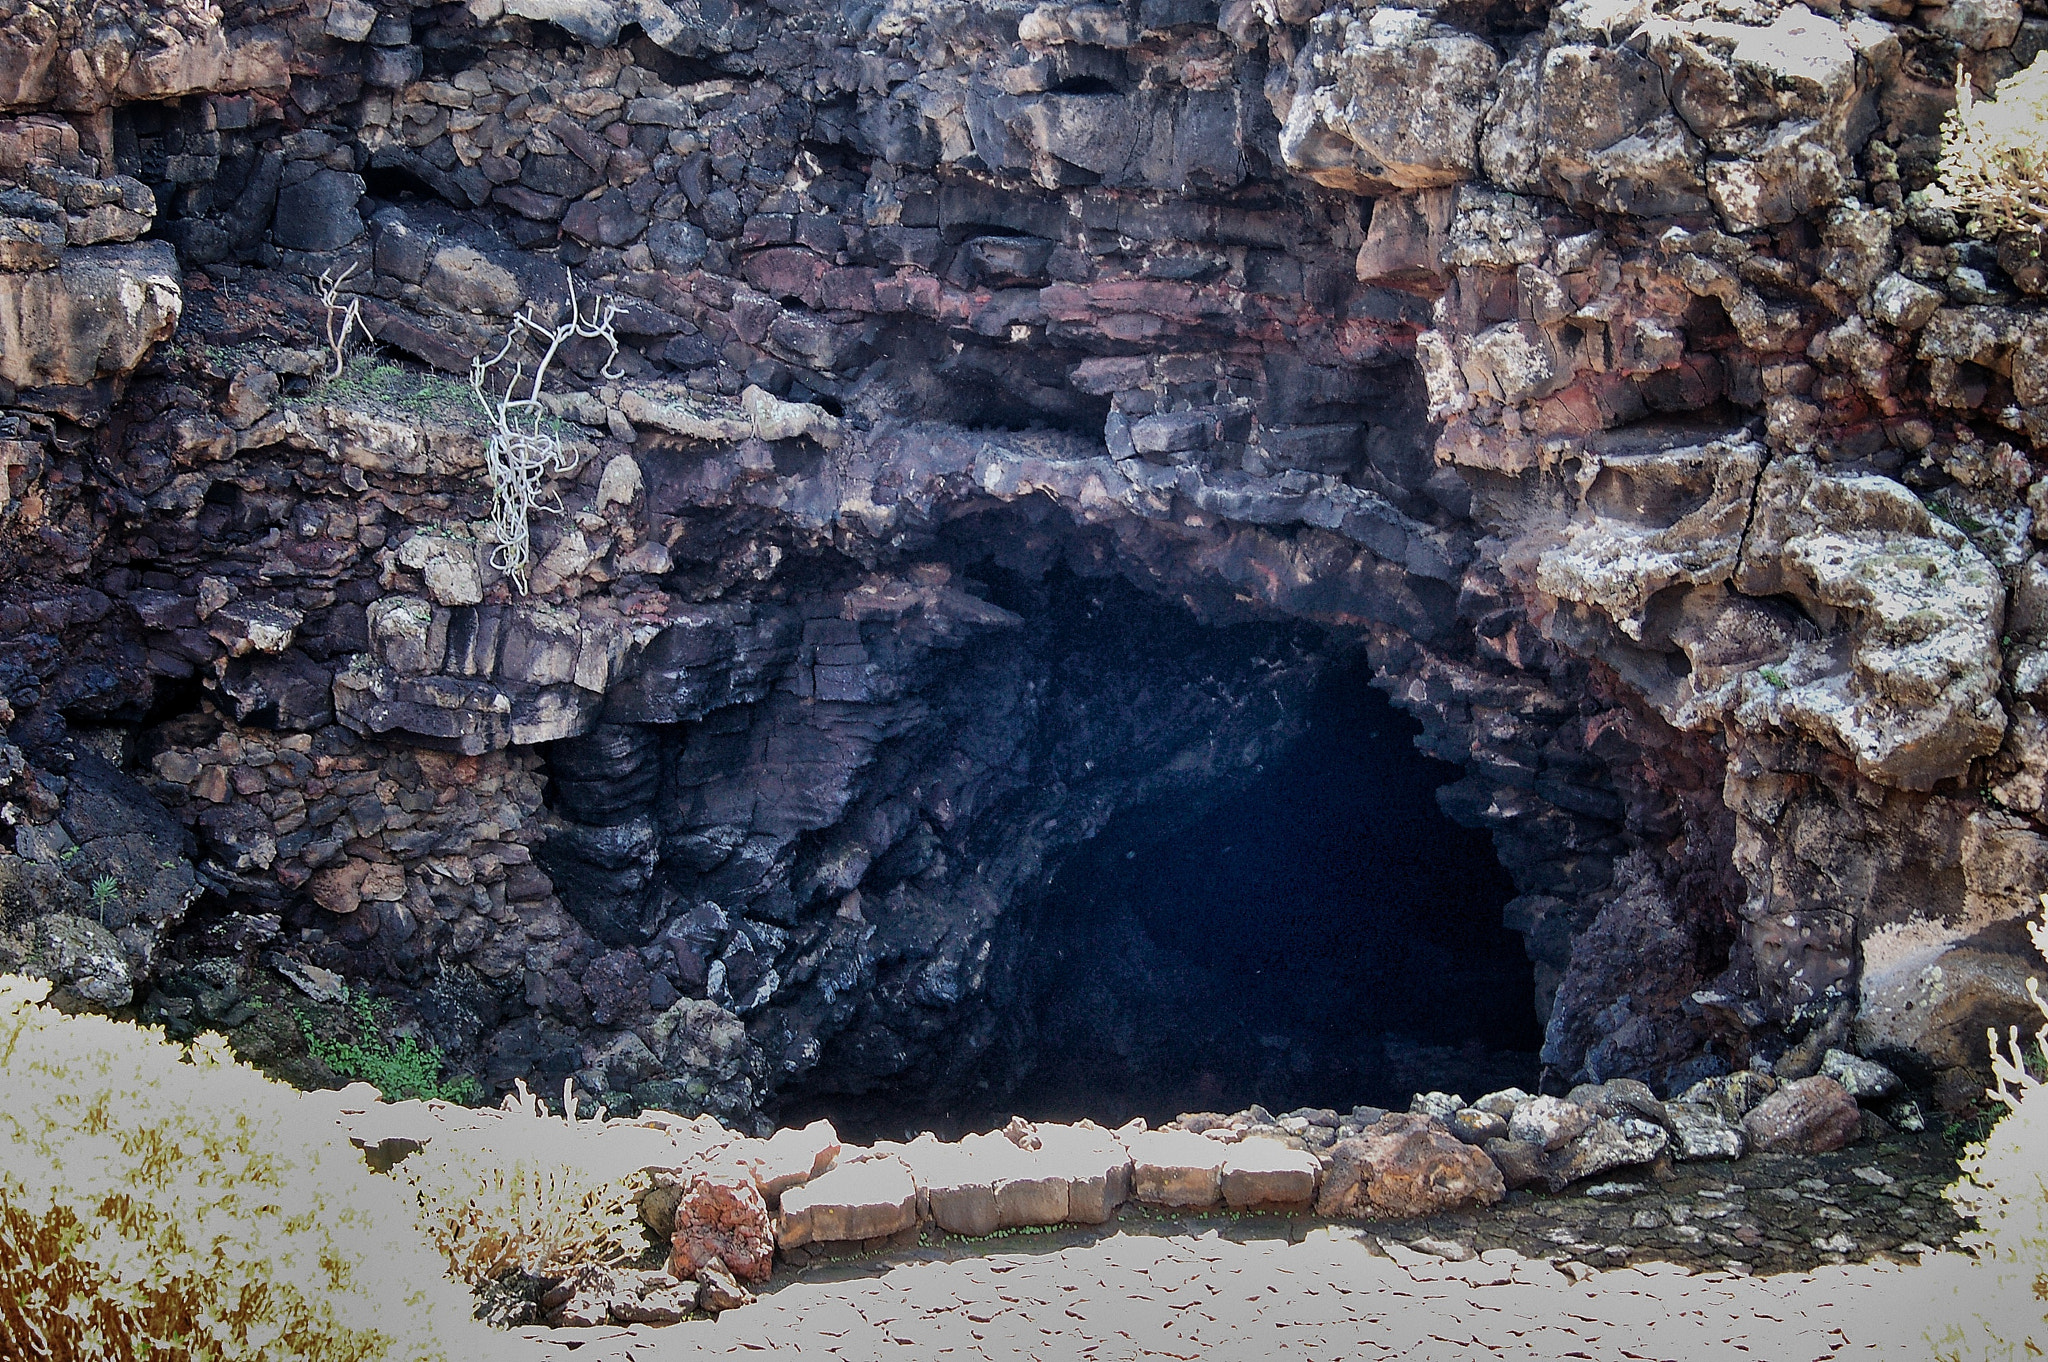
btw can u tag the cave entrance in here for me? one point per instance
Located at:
(1322, 935)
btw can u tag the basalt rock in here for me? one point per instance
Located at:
(1602, 377)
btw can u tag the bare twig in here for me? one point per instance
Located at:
(350, 318)
(521, 456)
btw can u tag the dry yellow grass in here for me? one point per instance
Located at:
(1994, 154)
(160, 1201)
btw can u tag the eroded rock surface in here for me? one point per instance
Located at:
(1015, 414)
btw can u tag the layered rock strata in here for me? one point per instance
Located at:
(1604, 373)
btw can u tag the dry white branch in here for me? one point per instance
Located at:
(342, 321)
(520, 456)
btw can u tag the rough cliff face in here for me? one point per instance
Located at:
(1017, 409)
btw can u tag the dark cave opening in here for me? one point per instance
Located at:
(1321, 936)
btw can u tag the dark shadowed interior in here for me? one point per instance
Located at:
(1301, 943)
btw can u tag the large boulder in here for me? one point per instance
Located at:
(1609, 1143)
(1406, 1165)
(1386, 100)
(319, 212)
(95, 316)
(1548, 1122)
(723, 1218)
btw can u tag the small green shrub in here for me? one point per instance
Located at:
(401, 1069)
(522, 1191)
(2001, 1299)
(398, 390)
(1994, 154)
(164, 1202)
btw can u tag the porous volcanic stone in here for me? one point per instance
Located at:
(1406, 1165)
(1811, 1116)
(723, 1218)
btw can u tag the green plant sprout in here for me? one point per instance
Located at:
(106, 892)
(401, 1069)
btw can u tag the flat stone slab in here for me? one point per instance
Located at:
(854, 1201)
(1096, 1166)
(792, 1157)
(1174, 1168)
(1030, 1189)
(956, 1185)
(1266, 1175)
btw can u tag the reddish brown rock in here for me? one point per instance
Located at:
(1811, 1116)
(723, 1218)
(1403, 1166)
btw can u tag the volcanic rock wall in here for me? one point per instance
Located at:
(1603, 372)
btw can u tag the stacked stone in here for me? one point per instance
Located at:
(731, 1206)
(1707, 363)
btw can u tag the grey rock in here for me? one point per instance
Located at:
(1549, 1123)
(1700, 1131)
(1609, 1143)
(1442, 1105)
(1862, 1079)
(319, 212)
(1474, 1126)
(83, 959)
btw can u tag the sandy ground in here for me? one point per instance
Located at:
(1334, 1295)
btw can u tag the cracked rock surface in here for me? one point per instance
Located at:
(1018, 410)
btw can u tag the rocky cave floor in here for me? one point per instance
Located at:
(1778, 1256)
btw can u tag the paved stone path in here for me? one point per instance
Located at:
(1333, 1295)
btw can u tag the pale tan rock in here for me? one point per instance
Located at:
(619, 484)
(1174, 1168)
(448, 567)
(1406, 1165)
(867, 1200)
(1094, 1163)
(1267, 1175)
(1386, 100)
(792, 1157)
(463, 277)
(407, 635)
(1030, 1189)
(957, 1190)
(95, 315)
